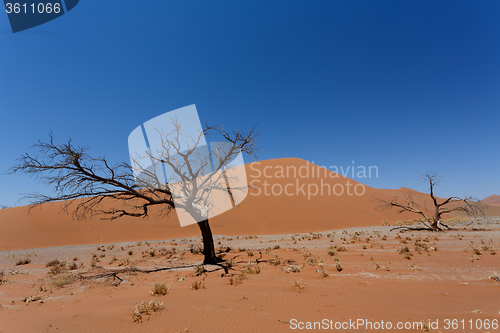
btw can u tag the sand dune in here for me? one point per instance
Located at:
(493, 199)
(266, 210)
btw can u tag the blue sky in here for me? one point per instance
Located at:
(407, 86)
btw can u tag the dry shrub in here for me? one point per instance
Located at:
(323, 272)
(159, 289)
(2, 277)
(252, 269)
(276, 261)
(331, 251)
(196, 250)
(59, 280)
(236, 280)
(230, 263)
(292, 268)
(341, 249)
(199, 270)
(338, 266)
(311, 261)
(197, 285)
(24, 261)
(421, 245)
(53, 263)
(145, 309)
(250, 253)
(57, 267)
(301, 286)
(404, 250)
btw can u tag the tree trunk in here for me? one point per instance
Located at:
(208, 243)
(435, 225)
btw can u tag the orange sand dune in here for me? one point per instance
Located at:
(266, 210)
(493, 199)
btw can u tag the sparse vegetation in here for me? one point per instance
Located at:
(145, 309)
(24, 261)
(230, 263)
(159, 289)
(292, 268)
(252, 269)
(199, 270)
(311, 261)
(57, 267)
(197, 285)
(59, 280)
(338, 266)
(301, 286)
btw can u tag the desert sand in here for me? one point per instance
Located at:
(293, 261)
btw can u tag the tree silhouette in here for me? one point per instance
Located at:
(194, 178)
(432, 217)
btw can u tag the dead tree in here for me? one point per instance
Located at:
(85, 184)
(431, 218)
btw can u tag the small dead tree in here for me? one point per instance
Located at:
(74, 174)
(431, 218)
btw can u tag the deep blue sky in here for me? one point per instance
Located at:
(407, 86)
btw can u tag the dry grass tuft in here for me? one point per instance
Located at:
(331, 251)
(159, 289)
(196, 249)
(199, 270)
(276, 261)
(197, 285)
(145, 309)
(58, 267)
(252, 269)
(338, 266)
(236, 280)
(230, 263)
(292, 268)
(60, 280)
(311, 261)
(301, 286)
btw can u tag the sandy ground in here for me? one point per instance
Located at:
(447, 275)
